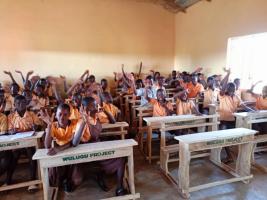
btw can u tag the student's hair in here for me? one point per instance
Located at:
(91, 76)
(160, 90)
(2, 90)
(104, 80)
(194, 75)
(230, 85)
(14, 85)
(20, 98)
(236, 80)
(64, 106)
(39, 85)
(149, 77)
(140, 81)
(211, 78)
(87, 100)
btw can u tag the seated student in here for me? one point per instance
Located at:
(148, 90)
(159, 83)
(111, 166)
(39, 98)
(161, 107)
(184, 106)
(2, 100)
(194, 88)
(4, 155)
(59, 136)
(171, 78)
(104, 85)
(75, 105)
(14, 91)
(111, 111)
(261, 102)
(210, 95)
(20, 121)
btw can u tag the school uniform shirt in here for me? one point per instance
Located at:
(228, 105)
(97, 98)
(184, 107)
(151, 93)
(3, 124)
(38, 102)
(261, 103)
(9, 103)
(111, 109)
(158, 87)
(74, 112)
(194, 90)
(24, 123)
(159, 110)
(63, 136)
(210, 97)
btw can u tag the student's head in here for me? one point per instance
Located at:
(14, 89)
(211, 82)
(186, 77)
(91, 78)
(183, 94)
(39, 89)
(160, 95)
(28, 95)
(108, 97)
(230, 89)
(76, 99)
(104, 84)
(148, 81)
(139, 83)
(161, 80)
(89, 104)
(200, 76)
(194, 79)
(237, 83)
(2, 95)
(156, 76)
(63, 114)
(42, 82)
(20, 103)
(264, 91)
(174, 74)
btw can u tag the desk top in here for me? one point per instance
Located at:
(259, 113)
(85, 148)
(116, 125)
(176, 118)
(215, 135)
(17, 138)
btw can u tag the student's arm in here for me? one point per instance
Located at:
(197, 70)
(95, 131)
(28, 75)
(111, 118)
(252, 88)
(22, 77)
(64, 83)
(195, 109)
(48, 120)
(54, 89)
(11, 76)
(225, 81)
(54, 150)
(168, 111)
(83, 75)
(70, 90)
(78, 133)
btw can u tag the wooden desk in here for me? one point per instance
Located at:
(180, 122)
(13, 144)
(119, 128)
(215, 141)
(88, 153)
(245, 120)
(127, 98)
(133, 104)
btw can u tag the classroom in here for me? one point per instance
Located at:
(133, 99)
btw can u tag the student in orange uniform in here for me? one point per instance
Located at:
(111, 166)
(59, 136)
(4, 155)
(161, 107)
(110, 113)
(20, 121)
(210, 95)
(75, 105)
(194, 88)
(184, 106)
(261, 102)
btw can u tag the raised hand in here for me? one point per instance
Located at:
(45, 117)
(30, 72)
(52, 151)
(18, 71)
(62, 77)
(227, 70)
(7, 72)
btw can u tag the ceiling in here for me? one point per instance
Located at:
(176, 6)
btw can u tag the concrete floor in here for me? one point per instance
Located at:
(151, 184)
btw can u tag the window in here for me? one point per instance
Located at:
(247, 58)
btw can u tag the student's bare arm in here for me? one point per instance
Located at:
(11, 76)
(78, 133)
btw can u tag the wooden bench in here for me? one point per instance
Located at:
(11, 143)
(245, 120)
(119, 128)
(215, 141)
(179, 122)
(87, 153)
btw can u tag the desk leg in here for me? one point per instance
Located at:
(183, 173)
(131, 172)
(149, 144)
(45, 180)
(122, 133)
(140, 131)
(243, 163)
(215, 155)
